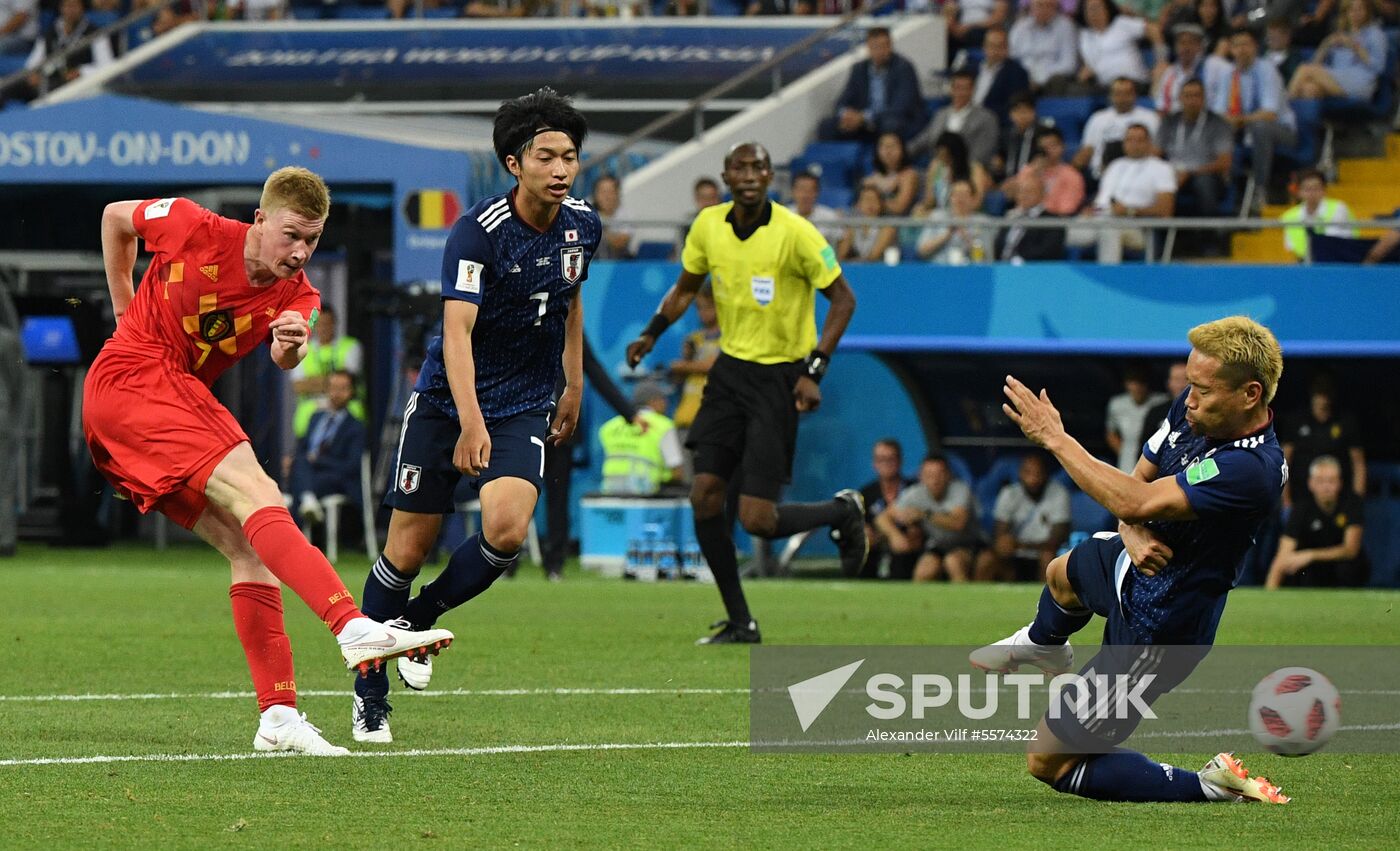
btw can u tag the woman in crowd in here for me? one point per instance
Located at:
(894, 176)
(867, 243)
(951, 163)
(1349, 61)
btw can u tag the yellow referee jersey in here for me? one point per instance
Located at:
(764, 286)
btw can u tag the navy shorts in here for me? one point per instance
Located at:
(424, 478)
(1129, 671)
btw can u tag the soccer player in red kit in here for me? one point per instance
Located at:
(216, 290)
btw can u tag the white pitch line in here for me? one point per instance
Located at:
(556, 748)
(421, 752)
(460, 692)
(503, 692)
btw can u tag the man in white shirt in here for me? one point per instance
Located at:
(806, 188)
(1110, 124)
(1044, 42)
(1136, 185)
(1191, 64)
(1252, 98)
(1126, 414)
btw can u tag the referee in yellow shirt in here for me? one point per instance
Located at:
(765, 263)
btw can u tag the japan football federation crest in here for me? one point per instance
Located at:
(409, 477)
(571, 263)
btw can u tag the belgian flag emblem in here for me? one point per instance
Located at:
(432, 209)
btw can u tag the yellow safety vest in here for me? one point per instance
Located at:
(323, 360)
(632, 459)
(1296, 239)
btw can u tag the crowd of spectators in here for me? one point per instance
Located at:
(1009, 521)
(1209, 102)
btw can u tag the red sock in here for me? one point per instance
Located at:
(300, 566)
(257, 616)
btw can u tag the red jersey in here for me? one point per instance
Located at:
(195, 304)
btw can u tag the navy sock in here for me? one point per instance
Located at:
(386, 595)
(1053, 623)
(472, 568)
(717, 546)
(794, 517)
(1124, 775)
(386, 591)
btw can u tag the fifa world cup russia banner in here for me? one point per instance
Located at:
(153, 146)
(470, 59)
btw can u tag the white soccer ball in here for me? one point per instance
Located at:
(1294, 711)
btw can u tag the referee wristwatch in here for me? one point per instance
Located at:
(817, 362)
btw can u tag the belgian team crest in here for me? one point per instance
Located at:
(571, 263)
(409, 477)
(216, 325)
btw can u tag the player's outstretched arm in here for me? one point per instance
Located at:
(673, 305)
(566, 411)
(1129, 499)
(119, 240)
(473, 451)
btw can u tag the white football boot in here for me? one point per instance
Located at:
(369, 720)
(1228, 776)
(367, 644)
(282, 728)
(1017, 649)
(415, 673)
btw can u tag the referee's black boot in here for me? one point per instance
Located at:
(733, 633)
(849, 532)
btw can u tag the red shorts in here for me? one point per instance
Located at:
(155, 432)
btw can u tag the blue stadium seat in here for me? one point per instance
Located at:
(11, 64)
(935, 104)
(1002, 472)
(102, 19)
(959, 466)
(1086, 515)
(1381, 540)
(1069, 115)
(836, 163)
(836, 197)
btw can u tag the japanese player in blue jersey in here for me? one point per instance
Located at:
(484, 404)
(1207, 479)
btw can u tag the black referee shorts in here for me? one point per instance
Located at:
(748, 423)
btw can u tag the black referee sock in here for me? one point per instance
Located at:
(794, 517)
(718, 548)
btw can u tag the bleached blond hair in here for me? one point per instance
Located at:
(1247, 351)
(297, 189)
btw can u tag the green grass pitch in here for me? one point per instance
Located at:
(127, 621)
